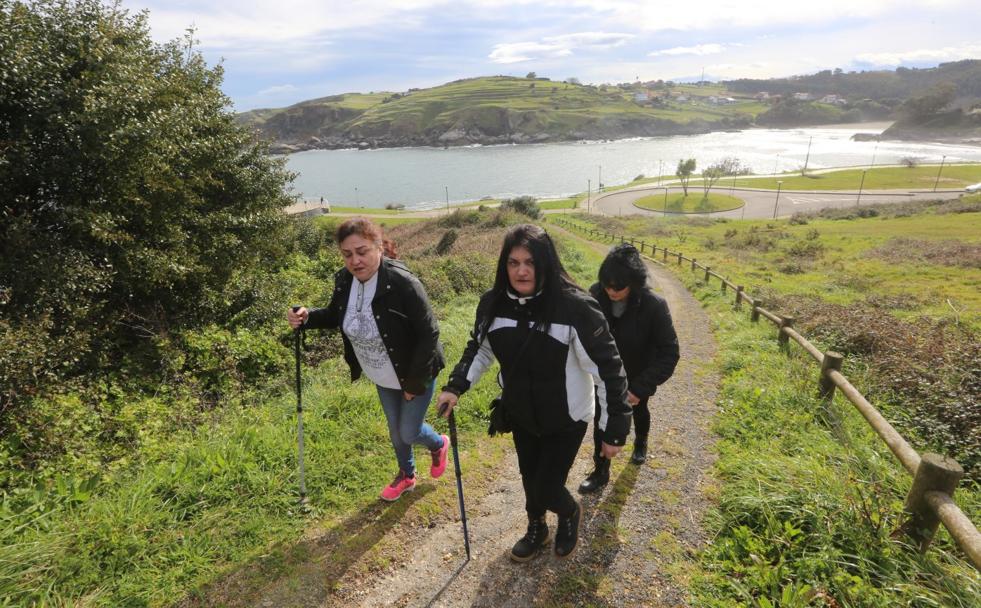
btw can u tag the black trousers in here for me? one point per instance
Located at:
(642, 426)
(544, 462)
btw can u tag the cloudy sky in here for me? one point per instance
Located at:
(279, 52)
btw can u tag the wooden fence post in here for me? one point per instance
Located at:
(622, 240)
(708, 271)
(936, 473)
(679, 258)
(724, 286)
(739, 297)
(757, 305)
(783, 337)
(642, 247)
(693, 264)
(665, 254)
(826, 388)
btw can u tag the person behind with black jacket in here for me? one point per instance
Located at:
(641, 325)
(390, 334)
(556, 353)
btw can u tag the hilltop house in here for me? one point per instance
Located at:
(834, 100)
(803, 96)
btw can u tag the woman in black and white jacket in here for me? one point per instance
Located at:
(390, 335)
(556, 353)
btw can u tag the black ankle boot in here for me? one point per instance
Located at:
(640, 451)
(598, 478)
(567, 533)
(534, 539)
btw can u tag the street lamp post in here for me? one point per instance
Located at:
(775, 164)
(589, 186)
(357, 199)
(860, 185)
(939, 172)
(447, 190)
(808, 157)
(733, 186)
(599, 182)
(777, 201)
(664, 212)
(660, 165)
(874, 150)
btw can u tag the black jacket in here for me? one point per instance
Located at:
(548, 378)
(405, 321)
(644, 336)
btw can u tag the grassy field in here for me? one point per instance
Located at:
(695, 202)
(804, 519)
(896, 286)
(805, 515)
(922, 177)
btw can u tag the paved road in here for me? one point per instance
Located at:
(760, 203)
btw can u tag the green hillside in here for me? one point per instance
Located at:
(496, 110)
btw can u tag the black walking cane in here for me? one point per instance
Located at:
(459, 477)
(297, 337)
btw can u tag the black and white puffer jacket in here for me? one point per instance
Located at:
(549, 375)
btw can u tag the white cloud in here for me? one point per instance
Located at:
(949, 53)
(278, 90)
(556, 46)
(701, 49)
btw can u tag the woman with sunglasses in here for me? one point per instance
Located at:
(390, 334)
(641, 325)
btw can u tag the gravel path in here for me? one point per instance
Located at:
(636, 539)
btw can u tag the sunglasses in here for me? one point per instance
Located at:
(616, 287)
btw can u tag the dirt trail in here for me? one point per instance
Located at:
(636, 536)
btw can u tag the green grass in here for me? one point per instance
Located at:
(695, 202)
(563, 203)
(802, 514)
(834, 259)
(214, 498)
(806, 509)
(922, 177)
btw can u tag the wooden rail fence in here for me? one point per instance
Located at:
(935, 477)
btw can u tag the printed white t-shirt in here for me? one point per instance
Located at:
(361, 329)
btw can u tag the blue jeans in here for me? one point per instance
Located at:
(406, 424)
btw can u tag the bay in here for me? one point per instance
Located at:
(422, 178)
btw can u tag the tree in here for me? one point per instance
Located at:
(726, 167)
(572, 80)
(684, 172)
(132, 205)
(930, 103)
(531, 75)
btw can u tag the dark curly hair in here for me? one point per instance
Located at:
(623, 267)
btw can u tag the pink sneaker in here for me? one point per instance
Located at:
(401, 484)
(439, 458)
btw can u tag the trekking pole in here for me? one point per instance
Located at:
(297, 336)
(459, 477)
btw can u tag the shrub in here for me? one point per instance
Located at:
(525, 205)
(446, 242)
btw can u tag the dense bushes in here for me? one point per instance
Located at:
(135, 213)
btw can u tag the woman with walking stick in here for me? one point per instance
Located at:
(645, 337)
(553, 344)
(390, 334)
